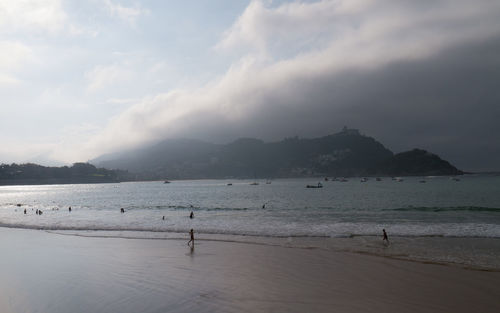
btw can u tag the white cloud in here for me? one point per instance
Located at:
(14, 54)
(297, 28)
(258, 24)
(122, 100)
(8, 80)
(67, 148)
(103, 76)
(158, 67)
(13, 57)
(127, 14)
(40, 15)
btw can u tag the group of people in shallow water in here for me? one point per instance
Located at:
(40, 212)
(190, 243)
(37, 212)
(191, 232)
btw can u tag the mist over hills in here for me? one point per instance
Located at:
(347, 153)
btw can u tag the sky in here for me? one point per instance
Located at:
(79, 79)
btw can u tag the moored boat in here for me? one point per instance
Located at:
(319, 185)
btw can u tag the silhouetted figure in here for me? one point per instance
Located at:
(191, 233)
(122, 210)
(36, 212)
(24, 211)
(191, 215)
(40, 212)
(163, 218)
(385, 238)
(264, 206)
(69, 209)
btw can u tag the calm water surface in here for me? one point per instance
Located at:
(439, 208)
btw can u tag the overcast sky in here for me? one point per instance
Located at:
(82, 78)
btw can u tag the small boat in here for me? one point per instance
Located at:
(422, 181)
(230, 184)
(364, 179)
(319, 185)
(166, 182)
(254, 183)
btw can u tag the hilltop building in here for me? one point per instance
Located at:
(350, 131)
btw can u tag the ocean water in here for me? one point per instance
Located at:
(441, 220)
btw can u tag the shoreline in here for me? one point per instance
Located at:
(449, 251)
(411, 251)
(44, 272)
(475, 253)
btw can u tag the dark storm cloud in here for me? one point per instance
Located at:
(448, 104)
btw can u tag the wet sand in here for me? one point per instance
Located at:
(46, 272)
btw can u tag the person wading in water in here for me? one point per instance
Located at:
(191, 233)
(385, 238)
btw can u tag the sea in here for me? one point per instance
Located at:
(446, 220)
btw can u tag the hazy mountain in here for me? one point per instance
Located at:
(417, 162)
(155, 158)
(347, 153)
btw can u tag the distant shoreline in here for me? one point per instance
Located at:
(49, 181)
(55, 181)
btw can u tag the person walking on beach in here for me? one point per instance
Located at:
(385, 238)
(191, 233)
(191, 215)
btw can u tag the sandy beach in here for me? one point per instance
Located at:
(46, 272)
